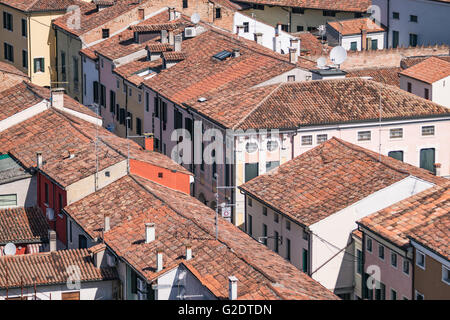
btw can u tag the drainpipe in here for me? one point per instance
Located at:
(388, 23)
(30, 66)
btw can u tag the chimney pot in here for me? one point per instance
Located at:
(57, 98)
(437, 168)
(171, 14)
(188, 252)
(107, 225)
(232, 287)
(178, 40)
(236, 52)
(52, 240)
(159, 260)
(39, 159)
(149, 232)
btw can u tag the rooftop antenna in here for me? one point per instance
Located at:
(338, 55)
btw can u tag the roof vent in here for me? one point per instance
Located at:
(201, 99)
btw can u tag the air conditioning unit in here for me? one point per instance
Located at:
(50, 214)
(189, 32)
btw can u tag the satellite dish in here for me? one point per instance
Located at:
(321, 62)
(338, 55)
(195, 18)
(9, 249)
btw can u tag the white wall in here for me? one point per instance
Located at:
(25, 190)
(347, 40)
(440, 92)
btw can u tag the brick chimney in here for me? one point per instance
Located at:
(149, 142)
(363, 39)
(57, 98)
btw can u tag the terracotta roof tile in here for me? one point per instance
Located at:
(23, 225)
(310, 45)
(355, 26)
(40, 5)
(50, 268)
(382, 75)
(328, 178)
(411, 61)
(430, 70)
(347, 5)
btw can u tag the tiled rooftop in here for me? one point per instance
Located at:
(295, 104)
(10, 170)
(50, 268)
(429, 71)
(40, 5)
(424, 216)
(132, 201)
(328, 178)
(23, 225)
(310, 45)
(355, 26)
(411, 61)
(382, 75)
(347, 5)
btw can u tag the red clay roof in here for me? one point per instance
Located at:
(382, 75)
(423, 216)
(40, 5)
(132, 201)
(411, 61)
(429, 71)
(355, 26)
(295, 104)
(329, 178)
(50, 268)
(16, 99)
(23, 225)
(310, 45)
(342, 5)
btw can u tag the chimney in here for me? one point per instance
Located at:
(149, 232)
(188, 252)
(71, 153)
(232, 287)
(98, 254)
(52, 240)
(295, 44)
(171, 14)
(164, 38)
(238, 29)
(363, 39)
(57, 98)
(38, 159)
(178, 39)
(437, 169)
(171, 38)
(149, 143)
(236, 52)
(258, 37)
(278, 31)
(159, 260)
(141, 14)
(293, 55)
(107, 224)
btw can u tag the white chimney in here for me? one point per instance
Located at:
(149, 232)
(164, 38)
(236, 52)
(107, 225)
(292, 55)
(159, 260)
(232, 287)
(57, 98)
(171, 14)
(188, 252)
(437, 168)
(171, 37)
(39, 159)
(52, 240)
(258, 37)
(178, 39)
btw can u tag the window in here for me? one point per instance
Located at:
(419, 296)
(7, 21)
(122, 116)
(218, 13)
(409, 89)
(395, 39)
(250, 225)
(393, 294)
(46, 193)
(246, 27)
(310, 29)
(322, 138)
(288, 249)
(427, 159)
(276, 248)
(258, 6)
(420, 259)
(264, 228)
(8, 52)
(103, 95)
(380, 294)
(139, 98)
(288, 225)
(354, 46)
(24, 59)
(275, 217)
(329, 13)
(70, 231)
(395, 15)
(428, 130)
(291, 78)
(364, 135)
(374, 44)
(82, 242)
(251, 147)
(185, 4)
(413, 40)
(75, 70)
(264, 212)
(300, 28)
(251, 171)
(305, 260)
(63, 66)
(394, 259)
(285, 28)
(427, 94)
(105, 33)
(298, 10)
(446, 275)
(272, 165)
(8, 200)
(359, 265)
(112, 101)
(138, 126)
(413, 18)
(130, 92)
(396, 155)
(369, 245)
(381, 252)
(396, 133)
(307, 140)
(95, 89)
(272, 145)
(129, 120)
(24, 28)
(249, 202)
(156, 106)
(406, 266)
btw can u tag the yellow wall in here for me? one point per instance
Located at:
(39, 43)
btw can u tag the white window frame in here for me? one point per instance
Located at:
(361, 133)
(395, 138)
(444, 268)
(428, 135)
(424, 260)
(308, 135)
